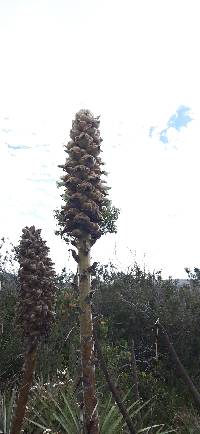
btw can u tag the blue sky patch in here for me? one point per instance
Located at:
(18, 147)
(177, 121)
(151, 130)
(180, 119)
(163, 136)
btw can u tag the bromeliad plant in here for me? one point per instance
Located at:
(54, 408)
(36, 303)
(85, 215)
(7, 402)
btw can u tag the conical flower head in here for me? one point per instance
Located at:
(37, 285)
(85, 191)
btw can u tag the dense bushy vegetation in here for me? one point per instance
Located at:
(129, 304)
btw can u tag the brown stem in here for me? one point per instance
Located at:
(87, 344)
(135, 379)
(112, 387)
(134, 372)
(29, 367)
(183, 373)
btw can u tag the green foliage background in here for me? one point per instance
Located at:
(128, 304)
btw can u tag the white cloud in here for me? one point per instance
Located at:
(133, 62)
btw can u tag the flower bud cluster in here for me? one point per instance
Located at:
(85, 191)
(37, 285)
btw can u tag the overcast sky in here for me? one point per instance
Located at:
(137, 64)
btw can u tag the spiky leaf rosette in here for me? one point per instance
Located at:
(85, 191)
(37, 286)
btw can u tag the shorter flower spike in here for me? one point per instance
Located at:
(37, 286)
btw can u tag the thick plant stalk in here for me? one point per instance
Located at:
(86, 336)
(85, 215)
(35, 311)
(29, 367)
(182, 371)
(80, 219)
(112, 387)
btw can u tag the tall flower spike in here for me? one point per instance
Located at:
(81, 219)
(37, 298)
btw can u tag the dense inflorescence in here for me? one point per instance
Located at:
(37, 286)
(85, 191)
